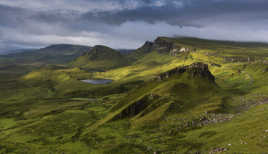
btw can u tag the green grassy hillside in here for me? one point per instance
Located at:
(100, 58)
(210, 98)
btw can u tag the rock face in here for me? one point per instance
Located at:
(218, 150)
(134, 108)
(217, 65)
(195, 70)
(147, 47)
(265, 70)
(163, 45)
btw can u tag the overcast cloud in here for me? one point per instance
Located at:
(128, 23)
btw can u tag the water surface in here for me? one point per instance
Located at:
(99, 81)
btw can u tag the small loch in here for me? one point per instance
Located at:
(98, 81)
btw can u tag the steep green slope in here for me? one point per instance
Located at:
(187, 115)
(168, 90)
(100, 58)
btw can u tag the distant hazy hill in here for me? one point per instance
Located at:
(4, 52)
(54, 54)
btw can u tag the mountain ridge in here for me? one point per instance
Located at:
(54, 54)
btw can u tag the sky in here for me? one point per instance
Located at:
(128, 23)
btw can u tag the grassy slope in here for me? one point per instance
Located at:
(100, 58)
(46, 115)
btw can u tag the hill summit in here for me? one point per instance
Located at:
(165, 45)
(100, 58)
(101, 52)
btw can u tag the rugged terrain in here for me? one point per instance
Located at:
(172, 95)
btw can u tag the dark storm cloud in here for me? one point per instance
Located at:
(11, 16)
(127, 23)
(185, 13)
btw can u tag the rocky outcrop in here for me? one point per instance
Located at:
(195, 70)
(265, 70)
(216, 65)
(134, 108)
(237, 59)
(164, 45)
(147, 47)
(218, 150)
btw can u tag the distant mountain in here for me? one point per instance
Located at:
(54, 54)
(6, 52)
(66, 49)
(100, 58)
